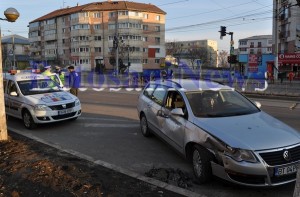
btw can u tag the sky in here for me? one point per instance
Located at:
(185, 19)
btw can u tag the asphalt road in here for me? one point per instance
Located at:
(108, 130)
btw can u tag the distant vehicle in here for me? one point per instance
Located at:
(220, 132)
(37, 99)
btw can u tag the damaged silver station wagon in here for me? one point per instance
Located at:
(220, 132)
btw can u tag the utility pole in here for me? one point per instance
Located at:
(11, 15)
(276, 41)
(14, 55)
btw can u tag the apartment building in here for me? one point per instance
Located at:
(261, 44)
(254, 53)
(286, 35)
(181, 50)
(15, 52)
(96, 34)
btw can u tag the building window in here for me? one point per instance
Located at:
(157, 17)
(243, 42)
(145, 50)
(97, 37)
(80, 26)
(112, 15)
(97, 26)
(251, 51)
(145, 27)
(145, 39)
(145, 61)
(146, 16)
(123, 13)
(259, 44)
(96, 15)
(97, 49)
(111, 26)
(157, 40)
(157, 28)
(157, 50)
(156, 61)
(251, 44)
(64, 30)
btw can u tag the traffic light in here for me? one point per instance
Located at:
(222, 31)
(229, 59)
(232, 59)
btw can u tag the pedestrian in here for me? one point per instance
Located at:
(291, 76)
(60, 74)
(74, 81)
(47, 71)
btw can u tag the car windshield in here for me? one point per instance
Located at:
(39, 86)
(221, 103)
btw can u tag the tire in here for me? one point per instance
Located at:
(144, 126)
(201, 159)
(28, 120)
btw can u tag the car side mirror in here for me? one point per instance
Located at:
(177, 112)
(13, 93)
(258, 104)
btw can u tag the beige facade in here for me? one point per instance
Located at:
(85, 35)
(210, 45)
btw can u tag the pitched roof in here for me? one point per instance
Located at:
(102, 6)
(17, 40)
(258, 37)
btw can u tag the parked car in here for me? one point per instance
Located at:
(220, 131)
(37, 99)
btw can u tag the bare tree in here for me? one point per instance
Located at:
(222, 57)
(193, 53)
(174, 48)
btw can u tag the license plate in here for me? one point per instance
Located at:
(285, 170)
(65, 111)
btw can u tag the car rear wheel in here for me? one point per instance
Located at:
(28, 120)
(201, 159)
(144, 126)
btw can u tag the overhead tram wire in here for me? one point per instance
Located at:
(215, 21)
(214, 27)
(191, 15)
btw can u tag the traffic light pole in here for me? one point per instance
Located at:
(231, 47)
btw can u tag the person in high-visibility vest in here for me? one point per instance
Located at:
(60, 74)
(47, 72)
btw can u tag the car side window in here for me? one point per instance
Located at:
(149, 90)
(159, 94)
(11, 87)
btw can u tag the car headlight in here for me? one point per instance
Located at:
(41, 108)
(241, 155)
(77, 102)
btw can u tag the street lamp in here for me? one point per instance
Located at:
(11, 15)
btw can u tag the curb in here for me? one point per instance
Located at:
(121, 170)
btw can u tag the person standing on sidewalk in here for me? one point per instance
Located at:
(74, 81)
(291, 76)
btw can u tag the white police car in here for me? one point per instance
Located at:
(37, 99)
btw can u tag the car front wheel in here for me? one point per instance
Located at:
(144, 126)
(201, 159)
(28, 120)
